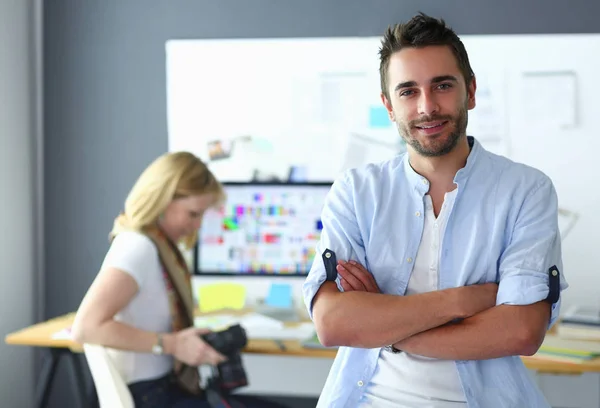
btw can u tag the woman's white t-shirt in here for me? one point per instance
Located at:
(136, 255)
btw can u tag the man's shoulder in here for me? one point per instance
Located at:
(374, 173)
(511, 172)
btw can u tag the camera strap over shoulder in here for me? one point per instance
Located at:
(179, 291)
(217, 400)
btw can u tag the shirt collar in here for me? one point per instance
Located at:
(421, 184)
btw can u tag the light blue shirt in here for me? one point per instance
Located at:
(503, 228)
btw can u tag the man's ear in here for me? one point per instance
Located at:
(471, 88)
(388, 107)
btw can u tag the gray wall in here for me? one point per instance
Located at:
(105, 96)
(17, 189)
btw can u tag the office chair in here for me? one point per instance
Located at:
(111, 388)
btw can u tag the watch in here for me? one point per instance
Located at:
(157, 348)
(392, 349)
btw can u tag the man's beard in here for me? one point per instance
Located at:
(438, 147)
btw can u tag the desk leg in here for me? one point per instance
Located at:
(78, 380)
(48, 372)
(45, 379)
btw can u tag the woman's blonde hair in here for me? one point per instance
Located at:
(170, 176)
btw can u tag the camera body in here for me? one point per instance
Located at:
(229, 342)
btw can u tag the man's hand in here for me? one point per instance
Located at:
(354, 277)
(187, 346)
(472, 299)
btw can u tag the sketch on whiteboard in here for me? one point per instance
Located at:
(550, 91)
(362, 149)
(307, 107)
(221, 149)
(566, 221)
(487, 122)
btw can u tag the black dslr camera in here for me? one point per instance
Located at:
(230, 373)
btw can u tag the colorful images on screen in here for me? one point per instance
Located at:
(263, 230)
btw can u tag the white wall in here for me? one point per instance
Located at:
(16, 199)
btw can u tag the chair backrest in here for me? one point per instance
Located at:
(111, 388)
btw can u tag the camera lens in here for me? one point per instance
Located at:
(236, 337)
(228, 341)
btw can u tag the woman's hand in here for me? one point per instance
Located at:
(188, 347)
(354, 276)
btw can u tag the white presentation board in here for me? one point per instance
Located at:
(265, 107)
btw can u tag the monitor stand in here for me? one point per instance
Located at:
(284, 314)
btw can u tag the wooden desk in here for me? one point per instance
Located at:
(40, 335)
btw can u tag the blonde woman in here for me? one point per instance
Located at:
(140, 304)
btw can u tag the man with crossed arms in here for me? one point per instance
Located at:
(464, 245)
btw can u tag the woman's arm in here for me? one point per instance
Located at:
(94, 322)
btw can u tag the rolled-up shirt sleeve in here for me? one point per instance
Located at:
(340, 234)
(534, 248)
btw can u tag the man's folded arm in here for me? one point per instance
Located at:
(362, 319)
(370, 320)
(501, 331)
(518, 323)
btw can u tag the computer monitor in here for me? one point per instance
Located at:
(263, 229)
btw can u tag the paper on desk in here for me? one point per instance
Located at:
(248, 320)
(216, 322)
(570, 346)
(299, 332)
(64, 334)
(280, 295)
(251, 320)
(257, 326)
(219, 296)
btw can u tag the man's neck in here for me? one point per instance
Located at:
(440, 171)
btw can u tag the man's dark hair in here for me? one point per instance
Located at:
(421, 31)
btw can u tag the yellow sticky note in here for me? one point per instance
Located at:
(218, 296)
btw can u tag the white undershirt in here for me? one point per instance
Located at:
(135, 254)
(407, 380)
